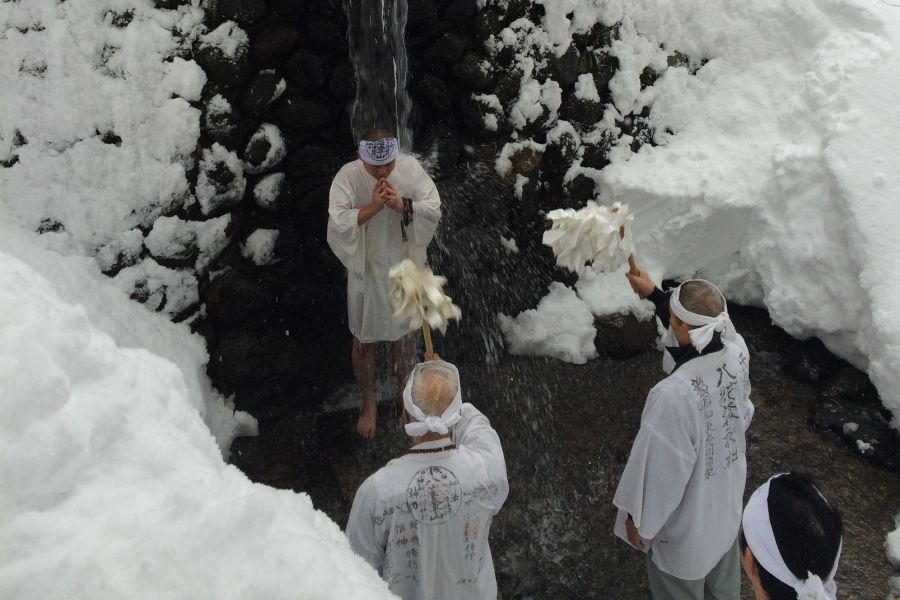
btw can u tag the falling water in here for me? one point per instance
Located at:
(375, 33)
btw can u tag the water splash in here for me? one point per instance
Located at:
(376, 36)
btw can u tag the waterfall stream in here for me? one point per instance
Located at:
(375, 33)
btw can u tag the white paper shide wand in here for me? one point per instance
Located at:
(418, 297)
(594, 235)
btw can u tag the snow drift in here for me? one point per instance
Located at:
(113, 477)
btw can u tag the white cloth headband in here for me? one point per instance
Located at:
(761, 540)
(380, 152)
(423, 423)
(705, 326)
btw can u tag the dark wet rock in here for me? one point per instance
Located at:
(811, 361)
(120, 19)
(235, 296)
(50, 226)
(602, 67)
(559, 154)
(578, 110)
(624, 336)
(508, 85)
(470, 73)
(580, 188)
(851, 384)
(532, 193)
(342, 83)
(648, 77)
(305, 69)
(265, 370)
(289, 455)
(448, 47)
(598, 36)
(258, 156)
(327, 35)
(223, 69)
(287, 8)
(110, 137)
(421, 16)
(314, 165)
(565, 68)
(490, 21)
(434, 91)
(274, 44)
(303, 115)
(461, 10)
(243, 12)
(170, 4)
(865, 429)
(596, 156)
(524, 161)
(261, 92)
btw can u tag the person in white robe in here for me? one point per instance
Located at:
(382, 208)
(680, 496)
(423, 519)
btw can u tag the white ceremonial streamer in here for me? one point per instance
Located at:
(379, 152)
(590, 235)
(423, 423)
(418, 294)
(705, 326)
(761, 539)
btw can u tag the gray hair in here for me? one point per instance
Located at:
(702, 298)
(434, 386)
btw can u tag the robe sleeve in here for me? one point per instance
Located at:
(474, 431)
(344, 233)
(660, 300)
(426, 207)
(662, 459)
(366, 538)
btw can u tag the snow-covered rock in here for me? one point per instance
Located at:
(562, 326)
(264, 150)
(221, 182)
(259, 246)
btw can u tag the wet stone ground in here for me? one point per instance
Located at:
(566, 431)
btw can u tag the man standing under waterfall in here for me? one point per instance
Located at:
(382, 208)
(680, 496)
(423, 519)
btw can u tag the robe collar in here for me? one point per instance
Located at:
(684, 354)
(435, 445)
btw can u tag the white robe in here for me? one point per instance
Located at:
(684, 481)
(368, 252)
(423, 520)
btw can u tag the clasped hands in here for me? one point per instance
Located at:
(385, 194)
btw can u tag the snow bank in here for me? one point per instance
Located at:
(112, 481)
(103, 146)
(113, 478)
(562, 326)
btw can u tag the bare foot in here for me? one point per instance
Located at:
(365, 426)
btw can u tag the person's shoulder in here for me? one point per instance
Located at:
(675, 384)
(671, 394)
(408, 162)
(348, 169)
